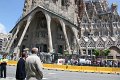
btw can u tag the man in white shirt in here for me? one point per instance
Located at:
(34, 66)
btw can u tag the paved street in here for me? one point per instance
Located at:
(66, 75)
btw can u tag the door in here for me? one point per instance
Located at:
(60, 49)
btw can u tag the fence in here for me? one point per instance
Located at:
(77, 68)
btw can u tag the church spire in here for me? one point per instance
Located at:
(27, 6)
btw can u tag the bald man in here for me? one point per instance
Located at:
(34, 66)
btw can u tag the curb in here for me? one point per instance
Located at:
(80, 71)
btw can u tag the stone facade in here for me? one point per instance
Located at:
(4, 39)
(78, 26)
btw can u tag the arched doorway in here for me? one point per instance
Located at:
(37, 33)
(57, 36)
(114, 52)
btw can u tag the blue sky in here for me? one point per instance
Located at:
(11, 10)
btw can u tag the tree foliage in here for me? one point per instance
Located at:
(106, 52)
(96, 52)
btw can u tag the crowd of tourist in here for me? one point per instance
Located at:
(76, 60)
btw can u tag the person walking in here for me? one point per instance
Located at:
(3, 66)
(20, 70)
(34, 66)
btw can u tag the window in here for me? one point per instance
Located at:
(43, 24)
(43, 34)
(82, 44)
(109, 43)
(54, 1)
(100, 44)
(5, 39)
(64, 2)
(37, 34)
(59, 28)
(118, 57)
(0, 41)
(60, 36)
(118, 43)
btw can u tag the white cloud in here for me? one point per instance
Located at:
(2, 28)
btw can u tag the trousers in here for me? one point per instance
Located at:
(3, 70)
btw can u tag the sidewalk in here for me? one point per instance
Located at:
(8, 78)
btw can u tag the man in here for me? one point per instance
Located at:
(34, 66)
(20, 71)
(3, 66)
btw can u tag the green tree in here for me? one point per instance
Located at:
(106, 52)
(96, 52)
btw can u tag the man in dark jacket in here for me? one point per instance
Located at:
(20, 71)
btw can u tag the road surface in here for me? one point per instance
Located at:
(65, 75)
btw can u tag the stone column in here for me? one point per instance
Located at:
(13, 38)
(91, 53)
(99, 33)
(48, 18)
(65, 34)
(114, 29)
(59, 2)
(82, 33)
(108, 33)
(17, 49)
(86, 50)
(75, 31)
(117, 28)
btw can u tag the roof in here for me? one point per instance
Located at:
(86, 39)
(40, 7)
(95, 38)
(104, 38)
(113, 38)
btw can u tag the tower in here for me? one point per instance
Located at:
(30, 4)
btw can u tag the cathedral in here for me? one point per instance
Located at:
(72, 26)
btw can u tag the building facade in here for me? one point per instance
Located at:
(76, 26)
(4, 39)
